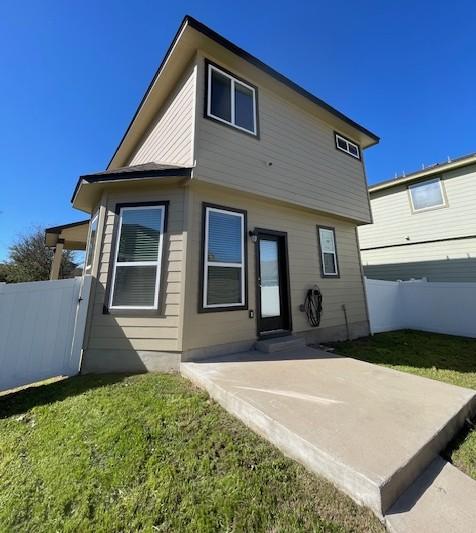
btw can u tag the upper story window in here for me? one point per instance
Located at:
(347, 146)
(224, 258)
(328, 251)
(138, 257)
(427, 195)
(230, 100)
(92, 243)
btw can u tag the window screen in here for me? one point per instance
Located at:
(426, 195)
(328, 252)
(347, 146)
(231, 101)
(224, 258)
(137, 265)
(92, 243)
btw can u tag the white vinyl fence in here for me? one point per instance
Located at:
(439, 307)
(41, 329)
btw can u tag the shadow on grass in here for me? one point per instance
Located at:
(417, 349)
(459, 439)
(21, 401)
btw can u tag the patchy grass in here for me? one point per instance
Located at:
(151, 453)
(441, 357)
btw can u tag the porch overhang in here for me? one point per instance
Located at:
(72, 236)
(89, 187)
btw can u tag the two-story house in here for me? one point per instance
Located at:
(232, 193)
(424, 225)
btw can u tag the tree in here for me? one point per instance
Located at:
(30, 260)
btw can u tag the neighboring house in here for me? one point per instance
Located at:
(232, 193)
(424, 225)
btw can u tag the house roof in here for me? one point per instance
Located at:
(189, 37)
(151, 170)
(429, 171)
(73, 235)
(81, 198)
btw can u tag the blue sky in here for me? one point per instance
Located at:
(72, 74)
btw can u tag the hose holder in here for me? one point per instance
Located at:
(313, 306)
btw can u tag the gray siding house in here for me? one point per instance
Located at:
(232, 193)
(424, 225)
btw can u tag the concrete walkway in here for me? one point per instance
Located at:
(441, 500)
(370, 430)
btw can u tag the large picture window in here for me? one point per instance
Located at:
(231, 100)
(328, 252)
(138, 255)
(224, 258)
(427, 195)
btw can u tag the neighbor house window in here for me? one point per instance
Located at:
(427, 195)
(347, 146)
(92, 243)
(231, 100)
(328, 252)
(224, 258)
(137, 260)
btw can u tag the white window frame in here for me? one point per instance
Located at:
(157, 263)
(334, 252)
(94, 220)
(234, 80)
(426, 182)
(347, 143)
(207, 263)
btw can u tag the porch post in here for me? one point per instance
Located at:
(56, 264)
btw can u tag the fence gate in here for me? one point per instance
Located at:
(41, 329)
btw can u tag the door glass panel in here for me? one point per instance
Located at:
(268, 256)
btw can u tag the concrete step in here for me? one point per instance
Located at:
(370, 430)
(279, 344)
(442, 499)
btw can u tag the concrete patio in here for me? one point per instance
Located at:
(370, 430)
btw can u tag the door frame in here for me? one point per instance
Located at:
(284, 270)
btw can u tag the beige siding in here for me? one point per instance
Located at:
(439, 261)
(394, 220)
(208, 329)
(306, 167)
(145, 333)
(170, 136)
(396, 224)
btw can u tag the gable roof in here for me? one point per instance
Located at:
(180, 38)
(427, 172)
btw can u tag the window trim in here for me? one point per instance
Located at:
(324, 274)
(209, 66)
(203, 307)
(423, 182)
(349, 142)
(88, 268)
(142, 310)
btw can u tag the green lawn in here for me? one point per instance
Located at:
(151, 453)
(442, 357)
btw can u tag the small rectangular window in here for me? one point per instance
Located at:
(224, 258)
(328, 252)
(231, 101)
(347, 146)
(427, 195)
(138, 254)
(91, 244)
